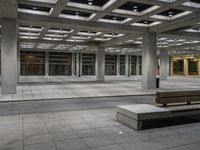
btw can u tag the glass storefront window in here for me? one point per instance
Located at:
(133, 65)
(32, 63)
(192, 67)
(88, 64)
(60, 63)
(110, 64)
(140, 65)
(178, 67)
(122, 64)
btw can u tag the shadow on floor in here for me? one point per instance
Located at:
(167, 122)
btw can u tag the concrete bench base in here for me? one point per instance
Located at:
(135, 124)
(135, 115)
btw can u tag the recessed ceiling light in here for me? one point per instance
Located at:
(135, 8)
(90, 2)
(170, 14)
(34, 8)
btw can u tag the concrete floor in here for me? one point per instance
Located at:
(36, 88)
(86, 124)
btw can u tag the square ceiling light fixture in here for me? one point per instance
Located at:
(99, 3)
(77, 15)
(114, 19)
(32, 9)
(171, 14)
(146, 23)
(135, 8)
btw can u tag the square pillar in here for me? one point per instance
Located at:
(18, 62)
(46, 63)
(185, 67)
(77, 64)
(149, 60)
(118, 65)
(127, 66)
(80, 64)
(73, 64)
(138, 65)
(198, 67)
(9, 56)
(100, 64)
(171, 66)
(164, 64)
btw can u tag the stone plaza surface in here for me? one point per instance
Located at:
(34, 88)
(86, 124)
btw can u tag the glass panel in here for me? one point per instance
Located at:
(192, 67)
(133, 65)
(140, 65)
(88, 64)
(32, 63)
(178, 67)
(110, 64)
(122, 64)
(60, 63)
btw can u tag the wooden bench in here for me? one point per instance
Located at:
(169, 97)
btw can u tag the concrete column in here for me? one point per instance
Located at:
(138, 65)
(149, 61)
(77, 64)
(80, 60)
(73, 64)
(100, 64)
(46, 63)
(127, 66)
(118, 65)
(198, 67)
(185, 67)
(164, 64)
(18, 62)
(171, 66)
(8, 56)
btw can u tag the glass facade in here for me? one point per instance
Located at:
(178, 67)
(110, 64)
(122, 64)
(192, 67)
(140, 65)
(133, 64)
(32, 63)
(88, 64)
(60, 63)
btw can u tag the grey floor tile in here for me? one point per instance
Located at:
(109, 147)
(75, 144)
(139, 145)
(98, 141)
(43, 146)
(37, 139)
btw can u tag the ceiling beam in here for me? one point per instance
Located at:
(178, 23)
(77, 24)
(58, 42)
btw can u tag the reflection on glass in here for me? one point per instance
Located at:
(60, 63)
(32, 63)
(192, 67)
(133, 65)
(110, 64)
(178, 67)
(122, 64)
(88, 64)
